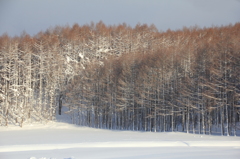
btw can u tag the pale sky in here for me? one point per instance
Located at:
(33, 16)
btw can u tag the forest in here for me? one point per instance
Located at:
(124, 78)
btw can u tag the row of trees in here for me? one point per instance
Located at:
(34, 71)
(160, 92)
(118, 77)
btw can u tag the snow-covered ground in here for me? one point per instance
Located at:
(60, 140)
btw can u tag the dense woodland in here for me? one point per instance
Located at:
(126, 78)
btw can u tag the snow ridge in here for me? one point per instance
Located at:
(125, 144)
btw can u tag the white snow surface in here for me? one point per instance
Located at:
(61, 140)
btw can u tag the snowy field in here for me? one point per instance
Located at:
(59, 140)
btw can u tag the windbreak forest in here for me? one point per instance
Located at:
(124, 78)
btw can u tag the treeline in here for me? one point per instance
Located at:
(118, 77)
(35, 70)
